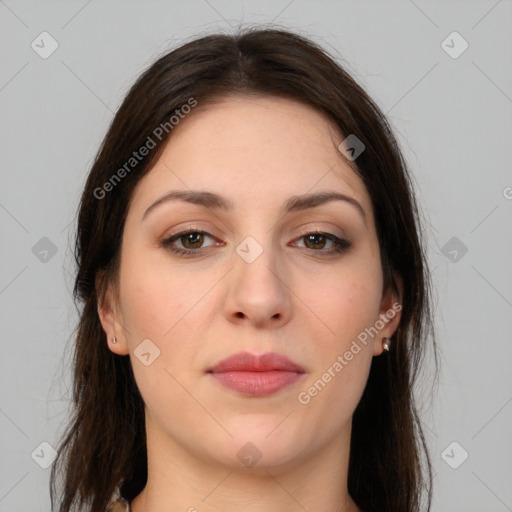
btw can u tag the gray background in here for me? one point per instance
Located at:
(452, 116)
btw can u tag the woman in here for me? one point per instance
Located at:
(256, 299)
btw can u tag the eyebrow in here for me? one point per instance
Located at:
(217, 202)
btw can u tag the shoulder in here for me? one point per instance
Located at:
(120, 505)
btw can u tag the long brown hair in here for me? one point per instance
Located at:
(103, 450)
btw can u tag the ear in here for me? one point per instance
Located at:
(390, 314)
(107, 312)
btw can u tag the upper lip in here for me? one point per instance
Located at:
(247, 362)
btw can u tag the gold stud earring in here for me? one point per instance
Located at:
(385, 344)
(114, 340)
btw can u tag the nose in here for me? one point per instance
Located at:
(259, 293)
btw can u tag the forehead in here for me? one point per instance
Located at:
(253, 148)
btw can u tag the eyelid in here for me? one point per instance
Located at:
(302, 231)
(340, 243)
(307, 229)
(185, 231)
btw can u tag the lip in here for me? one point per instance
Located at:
(256, 375)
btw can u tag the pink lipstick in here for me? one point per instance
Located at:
(256, 375)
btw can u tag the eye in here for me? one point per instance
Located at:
(317, 240)
(191, 239)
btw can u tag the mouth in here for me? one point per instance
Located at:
(256, 375)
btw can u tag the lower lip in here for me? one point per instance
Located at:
(257, 383)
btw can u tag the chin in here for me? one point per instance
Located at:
(254, 449)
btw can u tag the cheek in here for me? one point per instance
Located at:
(151, 303)
(348, 301)
(349, 307)
(337, 381)
(160, 309)
(167, 308)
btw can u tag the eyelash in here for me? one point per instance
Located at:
(341, 244)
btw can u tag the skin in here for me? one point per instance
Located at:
(297, 298)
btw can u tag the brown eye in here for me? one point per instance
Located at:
(195, 239)
(316, 241)
(191, 240)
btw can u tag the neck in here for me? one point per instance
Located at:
(180, 480)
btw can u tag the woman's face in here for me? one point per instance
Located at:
(257, 281)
